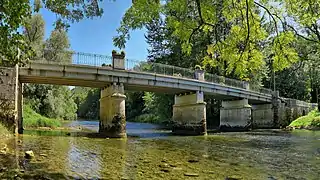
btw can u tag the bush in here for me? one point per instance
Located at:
(310, 120)
(316, 122)
(33, 119)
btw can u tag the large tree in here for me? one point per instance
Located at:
(57, 47)
(238, 50)
(15, 14)
(34, 35)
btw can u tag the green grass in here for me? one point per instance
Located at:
(35, 120)
(310, 120)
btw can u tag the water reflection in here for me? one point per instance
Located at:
(264, 154)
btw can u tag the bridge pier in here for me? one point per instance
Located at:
(262, 116)
(189, 114)
(112, 111)
(235, 115)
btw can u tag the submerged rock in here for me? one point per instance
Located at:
(193, 160)
(231, 178)
(165, 170)
(3, 169)
(191, 174)
(165, 165)
(29, 154)
(3, 152)
(177, 168)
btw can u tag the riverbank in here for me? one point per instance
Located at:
(32, 119)
(311, 121)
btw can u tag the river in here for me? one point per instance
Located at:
(152, 153)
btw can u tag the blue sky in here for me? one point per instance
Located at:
(95, 35)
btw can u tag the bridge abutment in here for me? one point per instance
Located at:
(11, 99)
(112, 111)
(235, 114)
(189, 114)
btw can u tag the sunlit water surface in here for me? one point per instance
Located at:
(152, 153)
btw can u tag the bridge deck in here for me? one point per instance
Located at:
(90, 76)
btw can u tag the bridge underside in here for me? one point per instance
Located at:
(127, 87)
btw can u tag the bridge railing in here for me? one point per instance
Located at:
(71, 57)
(168, 70)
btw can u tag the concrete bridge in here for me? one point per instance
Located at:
(242, 106)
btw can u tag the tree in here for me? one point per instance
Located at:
(90, 107)
(48, 100)
(238, 50)
(13, 48)
(15, 14)
(57, 47)
(51, 101)
(34, 35)
(70, 11)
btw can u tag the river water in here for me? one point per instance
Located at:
(152, 153)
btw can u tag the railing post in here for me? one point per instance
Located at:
(199, 74)
(118, 60)
(246, 85)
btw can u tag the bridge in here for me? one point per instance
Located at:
(243, 106)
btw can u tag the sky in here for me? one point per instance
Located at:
(95, 35)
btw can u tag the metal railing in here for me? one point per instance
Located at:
(70, 57)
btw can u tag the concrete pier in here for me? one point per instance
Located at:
(112, 111)
(189, 114)
(235, 114)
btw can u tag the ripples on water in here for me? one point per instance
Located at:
(151, 153)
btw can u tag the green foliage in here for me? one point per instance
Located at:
(134, 105)
(147, 118)
(87, 102)
(70, 11)
(13, 47)
(284, 54)
(34, 34)
(159, 105)
(195, 25)
(56, 47)
(316, 122)
(51, 101)
(33, 119)
(310, 120)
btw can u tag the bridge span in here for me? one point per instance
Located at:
(242, 106)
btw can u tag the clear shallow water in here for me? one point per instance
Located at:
(152, 153)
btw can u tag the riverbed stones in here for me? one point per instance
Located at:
(165, 170)
(165, 165)
(191, 174)
(193, 160)
(29, 154)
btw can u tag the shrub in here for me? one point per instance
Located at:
(33, 119)
(310, 120)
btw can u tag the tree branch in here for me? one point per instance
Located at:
(297, 33)
(248, 29)
(270, 14)
(194, 31)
